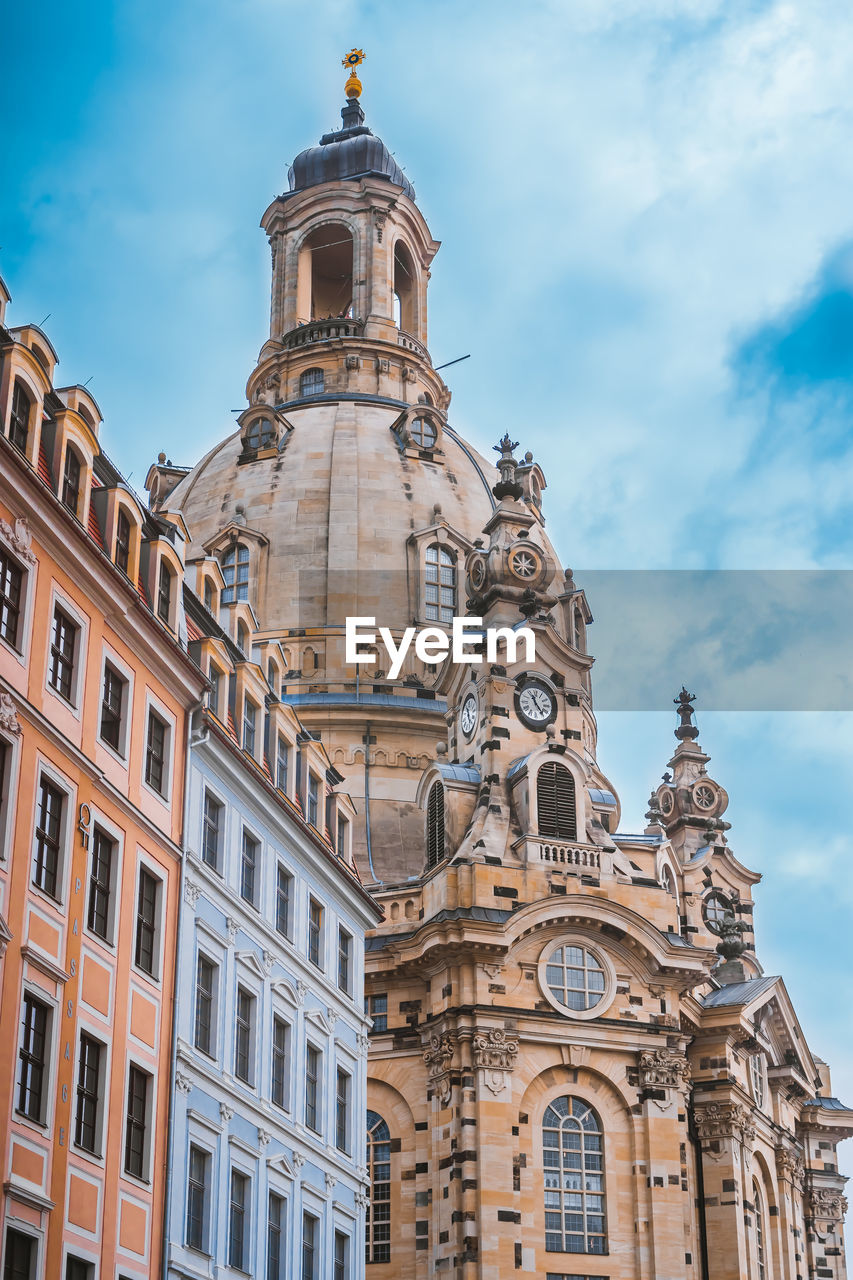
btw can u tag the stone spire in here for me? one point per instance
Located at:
(689, 804)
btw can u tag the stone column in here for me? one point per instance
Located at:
(726, 1134)
(789, 1172)
(501, 1230)
(663, 1082)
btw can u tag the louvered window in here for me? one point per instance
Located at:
(555, 800)
(435, 825)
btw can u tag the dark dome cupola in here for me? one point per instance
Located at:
(353, 151)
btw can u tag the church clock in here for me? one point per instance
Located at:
(468, 715)
(536, 704)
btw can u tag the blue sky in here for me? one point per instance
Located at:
(646, 210)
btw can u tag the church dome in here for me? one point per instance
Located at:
(351, 152)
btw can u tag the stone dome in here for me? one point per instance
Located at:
(351, 152)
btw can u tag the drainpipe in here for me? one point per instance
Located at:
(367, 798)
(173, 1057)
(700, 1190)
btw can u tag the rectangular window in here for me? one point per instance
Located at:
(136, 1127)
(377, 1009)
(237, 1220)
(205, 1003)
(309, 1247)
(77, 1269)
(275, 1238)
(155, 752)
(164, 593)
(32, 1058)
(19, 419)
(248, 866)
(112, 707)
(344, 959)
(313, 800)
(145, 955)
(342, 1107)
(21, 1256)
(123, 542)
(63, 647)
(281, 1063)
(343, 836)
(315, 932)
(313, 1060)
(100, 885)
(215, 677)
(197, 1198)
(46, 865)
(283, 897)
(341, 1256)
(250, 720)
(211, 835)
(243, 1035)
(71, 481)
(11, 590)
(88, 1095)
(282, 763)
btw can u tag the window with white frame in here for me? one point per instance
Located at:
(91, 1061)
(19, 416)
(157, 743)
(198, 1197)
(378, 1226)
(276, 1237)
(235, 571)
(250, 725)
(124, 529)
(310, 1246)
(165, 591)
(137, 1123)
(146, 949)
(238, 1216)
(281, 1048)
(12, 582)
(102, 870)
(113, 721)
(21, 1255)
(342, 1109)
(315, 932)
(71, 472)
(206, 987)
(440, 585)
(64, 654)
(48, 854)
(313, 800)
(248, 867)
(34, 1058)
(342, 1269)
(313, 1086)
(573, 1156)
(282, 763)
(283, 900)
(211, 830)
(344, 960)
(214, 675)
(244, 1035)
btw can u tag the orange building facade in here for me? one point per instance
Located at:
(95, 691)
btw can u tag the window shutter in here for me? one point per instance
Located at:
(555, 801)
(435, 825)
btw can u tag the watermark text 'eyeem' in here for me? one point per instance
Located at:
(432, 644)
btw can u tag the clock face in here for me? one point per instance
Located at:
(468, 715)
(536, 704)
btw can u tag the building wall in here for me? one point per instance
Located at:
(237, 1124)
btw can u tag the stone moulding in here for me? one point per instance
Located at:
(438, 1057)
(664, 1069)
(825, 1204)
(494, 1054)
(724, 1120)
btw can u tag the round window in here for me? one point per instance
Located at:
(715, 908)
(577, 979)
(423, 433)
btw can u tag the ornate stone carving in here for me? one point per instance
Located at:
(330, 1180)
(719, 1120)
(664, 1069)
(183, 1083)
(19, 538)
(351, 362)
(363, 1045)
(825, 1204)
(269, 961)
(438, 1058)
(362, 1200)
(264, 1138)
(8, 715)
(298, 1160)
(301, 991)
(192, 892)
(789, 1164)
(331, 1015)
(233, 926)
(226, 1113)
(380, 217)
(495, 1053)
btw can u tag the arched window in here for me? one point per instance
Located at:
(423, 433)
(757, 1078)
(71, 480)
(312, 382)
(235, 569)
(19, 418)
(715, 909)
(555, 802)
(324, 287)
(668, 882)
(208, 594)
(123, 542)
(760, 1232)
(440, 594)
(578, 631)
(573, 1151)
(435, 825)
(404, 289)
(243, 637)
(378, 1231)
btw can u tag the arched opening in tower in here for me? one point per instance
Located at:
(404, 289)
(325, 273)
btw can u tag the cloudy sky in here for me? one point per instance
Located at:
(646, 210)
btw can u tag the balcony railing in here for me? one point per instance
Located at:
(412, 344)
(322, 331)
(561, 853)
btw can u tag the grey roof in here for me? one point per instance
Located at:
(637, 839)
(515, 766)
(828, 1104)
(460, 772)
(601, 797)
(350, 152)
(677, 940)
(364, 699)
(739, 992)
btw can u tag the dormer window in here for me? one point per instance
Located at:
(423, 433)
(71, 481)
(243, 638)
(164, 593)
(556, 802)
(312, 382)
(208, 595)
(260, 434)
(123, 543)
(440, 590)
(19, 418)
(235, 569)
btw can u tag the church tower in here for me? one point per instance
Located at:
(577, 1065)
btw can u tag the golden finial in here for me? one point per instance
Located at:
(354, 59)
